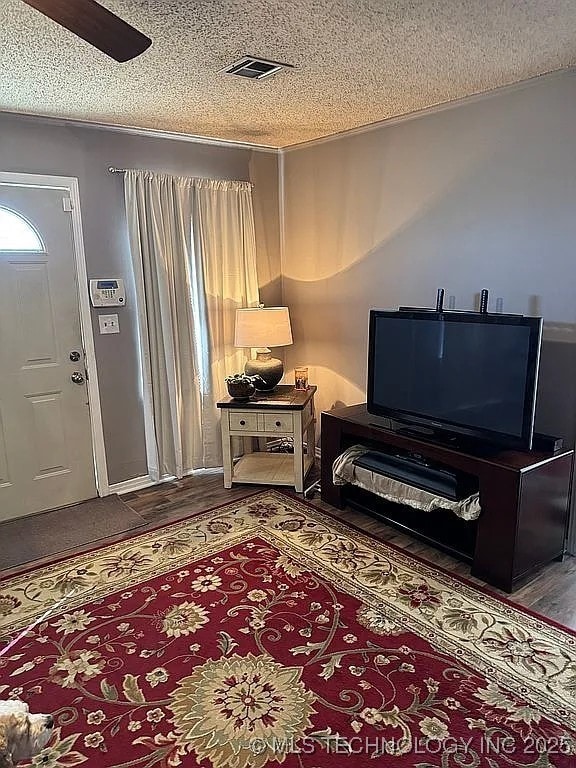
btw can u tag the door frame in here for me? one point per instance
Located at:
(69, 186)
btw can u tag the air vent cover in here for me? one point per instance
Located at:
(255, 69)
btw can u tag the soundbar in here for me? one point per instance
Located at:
(418, 473)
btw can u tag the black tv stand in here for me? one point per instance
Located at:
(524, 497)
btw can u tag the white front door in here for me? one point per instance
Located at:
(46, 458)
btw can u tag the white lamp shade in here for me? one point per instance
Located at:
(263, 327)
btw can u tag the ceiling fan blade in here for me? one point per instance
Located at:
(97, 25)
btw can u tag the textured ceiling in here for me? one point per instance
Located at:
(357, 62)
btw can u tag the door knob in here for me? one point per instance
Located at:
(77, 377)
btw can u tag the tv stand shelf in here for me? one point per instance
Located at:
(524, 495)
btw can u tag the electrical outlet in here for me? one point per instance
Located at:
(108, 323)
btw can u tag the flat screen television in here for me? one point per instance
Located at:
(462, 373)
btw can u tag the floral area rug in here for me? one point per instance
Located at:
(264, 633)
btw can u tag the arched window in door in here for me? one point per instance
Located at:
(17, 234)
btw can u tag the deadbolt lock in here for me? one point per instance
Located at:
(75, 356)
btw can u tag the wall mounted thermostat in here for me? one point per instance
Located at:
(107, 292)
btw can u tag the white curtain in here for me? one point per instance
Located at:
(194, 257)
(225, 245)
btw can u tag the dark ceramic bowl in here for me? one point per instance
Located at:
(240, 390)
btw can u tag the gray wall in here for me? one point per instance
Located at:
(44, 146)
(481, 195)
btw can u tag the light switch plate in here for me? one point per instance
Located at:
(108, 323)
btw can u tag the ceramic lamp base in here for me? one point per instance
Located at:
(269, 368)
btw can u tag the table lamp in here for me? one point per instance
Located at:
(262, 328)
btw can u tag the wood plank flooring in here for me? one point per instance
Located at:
(552, 593)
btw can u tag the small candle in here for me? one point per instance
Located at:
(301, 378)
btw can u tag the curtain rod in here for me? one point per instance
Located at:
(113, 169)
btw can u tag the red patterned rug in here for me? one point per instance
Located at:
(265, 632)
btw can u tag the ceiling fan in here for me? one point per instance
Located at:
(97, 25)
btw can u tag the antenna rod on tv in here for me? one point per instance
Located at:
(439, 299)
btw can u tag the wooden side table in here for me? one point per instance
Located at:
(285, 412)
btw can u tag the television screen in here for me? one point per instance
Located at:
(463, 372)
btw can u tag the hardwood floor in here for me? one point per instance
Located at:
(552, 593)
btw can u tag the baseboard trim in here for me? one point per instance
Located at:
(145, 481)
(128, 486)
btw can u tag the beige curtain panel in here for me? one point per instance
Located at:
(194, 258)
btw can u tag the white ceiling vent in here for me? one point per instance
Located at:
(255, 69)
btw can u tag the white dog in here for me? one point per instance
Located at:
(22, 735)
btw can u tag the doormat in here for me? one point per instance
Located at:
(50, 533)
